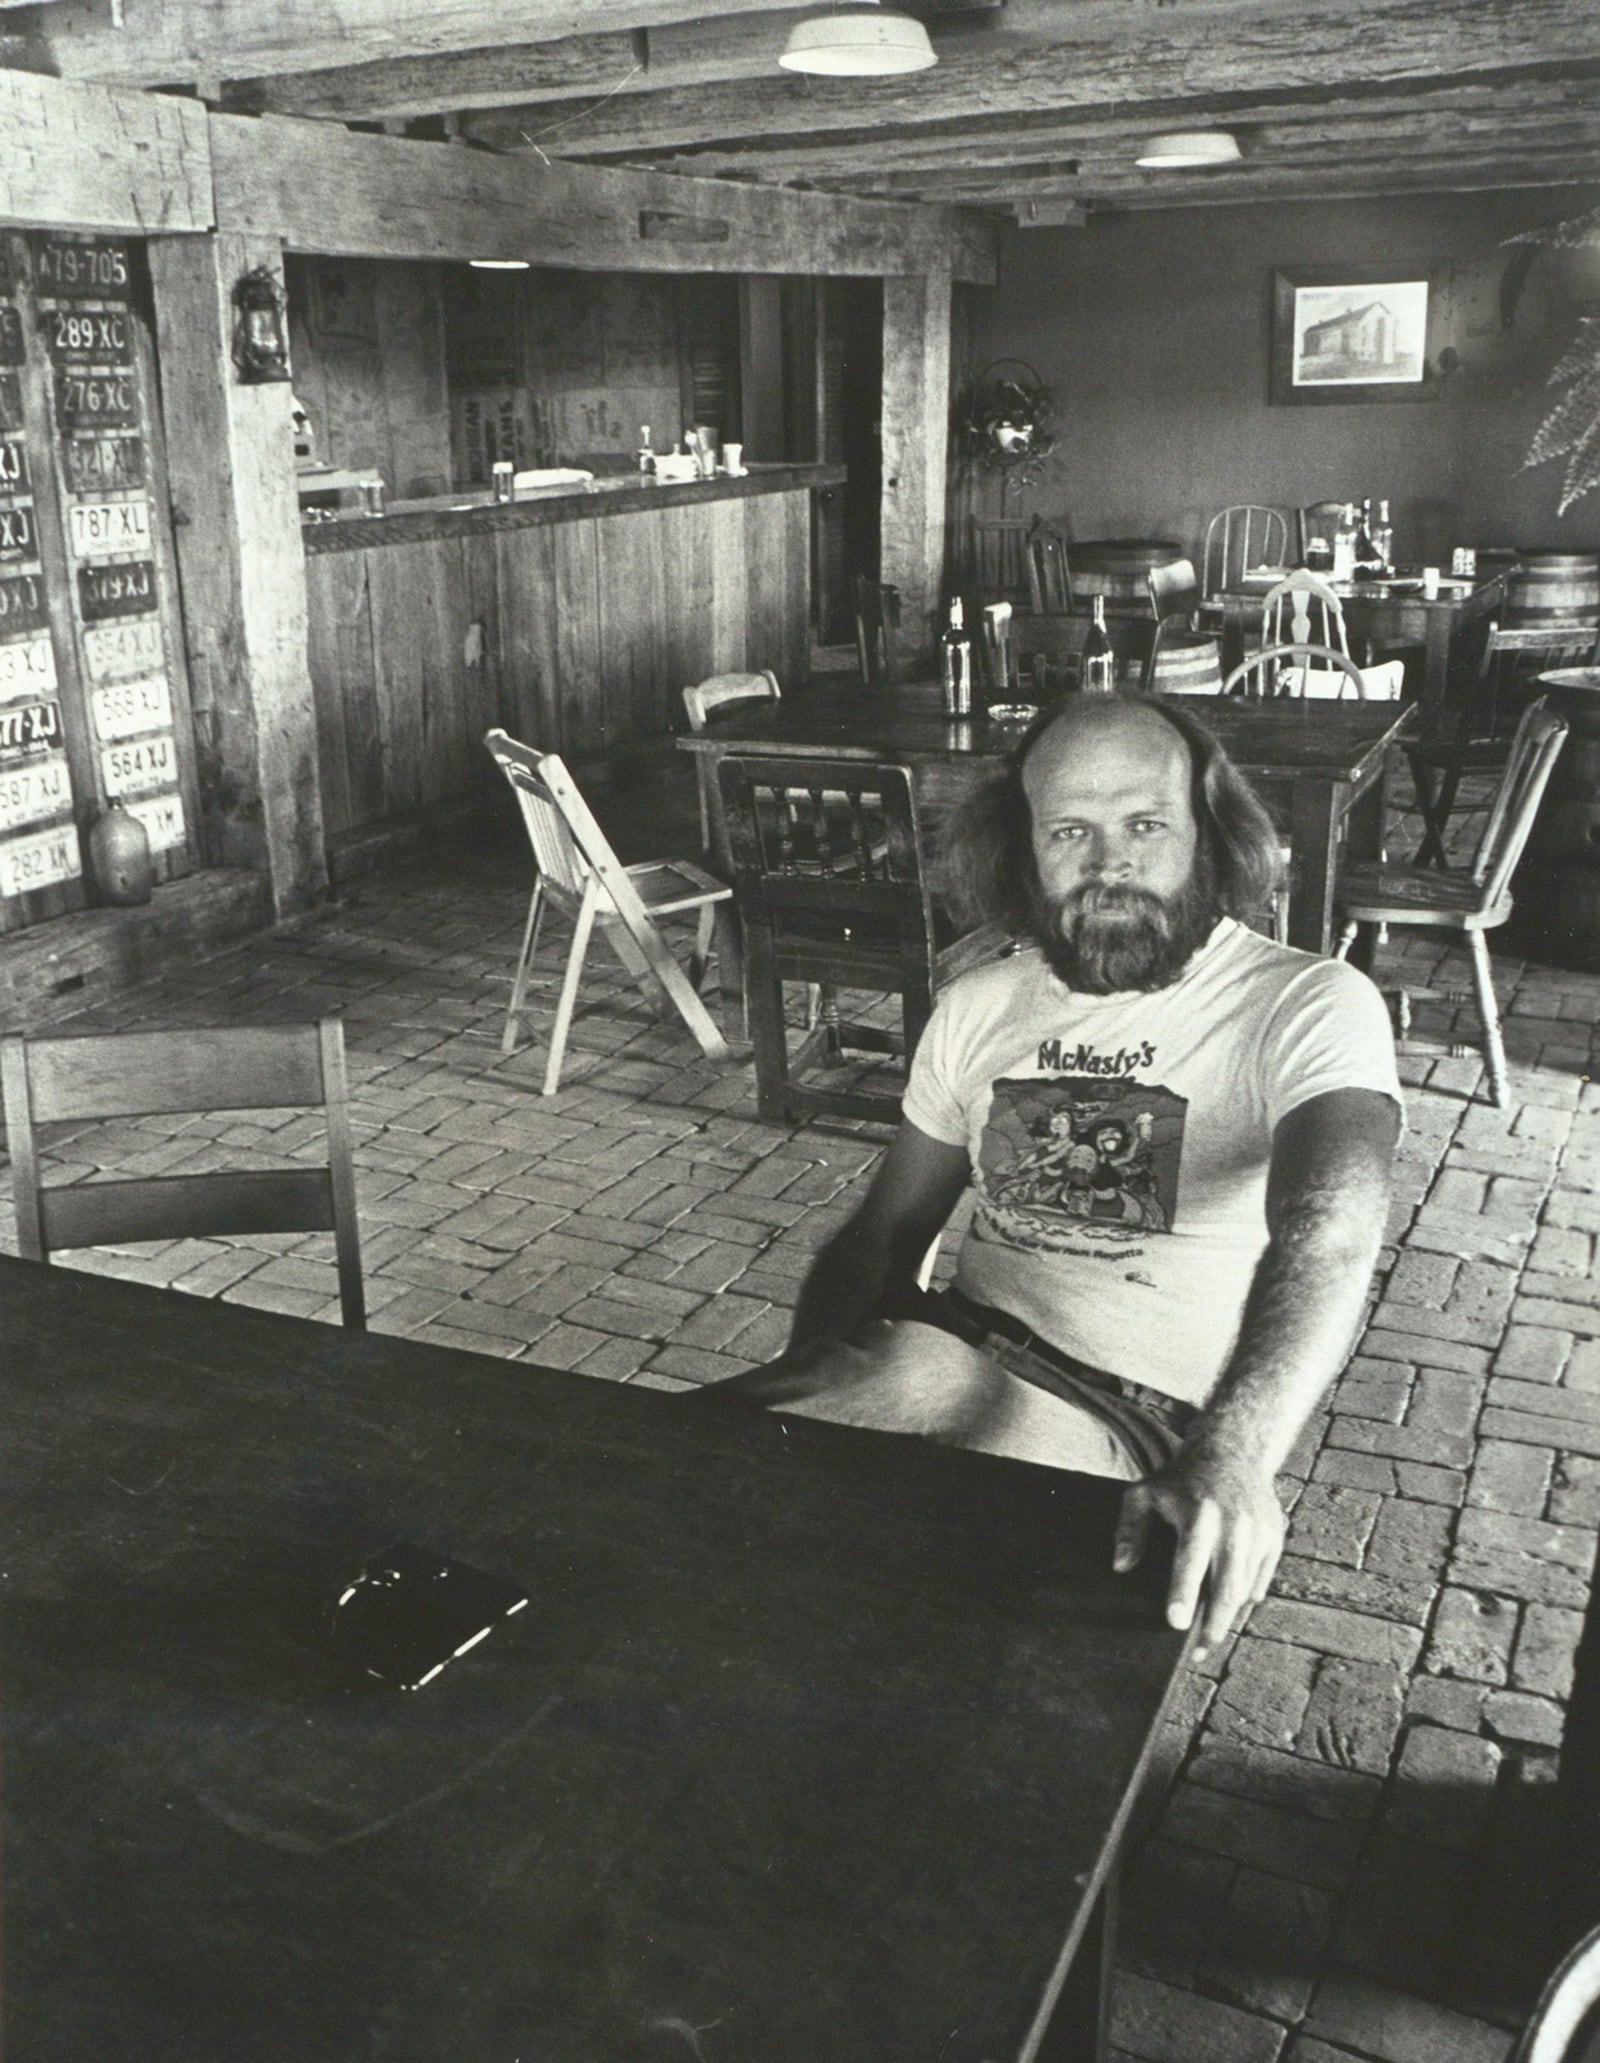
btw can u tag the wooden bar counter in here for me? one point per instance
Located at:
(573, 619)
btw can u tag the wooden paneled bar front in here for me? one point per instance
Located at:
(574, 621)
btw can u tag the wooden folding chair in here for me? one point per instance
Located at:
(582, 876)
(1472, 901)
(146, 1074)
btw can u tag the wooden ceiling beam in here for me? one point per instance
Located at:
(176, 42)
(1109, 56)
(903, 157)
(1337, 180)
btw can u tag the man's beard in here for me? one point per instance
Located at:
(1104, 937)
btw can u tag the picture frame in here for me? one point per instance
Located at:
(1344, 334)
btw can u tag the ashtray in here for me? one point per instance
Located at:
(1013, 712)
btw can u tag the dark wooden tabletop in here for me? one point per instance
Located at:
(810, 1741)
(1273, 741)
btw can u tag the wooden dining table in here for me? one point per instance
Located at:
(1321, 767)
(1381, 617)
(810, 1742)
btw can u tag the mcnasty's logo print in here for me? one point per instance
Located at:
(1079, 1158)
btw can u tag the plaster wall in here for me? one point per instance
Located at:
(1153, 332)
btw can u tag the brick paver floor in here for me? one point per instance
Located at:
(1346, 1857)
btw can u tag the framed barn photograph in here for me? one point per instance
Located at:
(1345, 336)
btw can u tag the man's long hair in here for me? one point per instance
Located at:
(985, 867)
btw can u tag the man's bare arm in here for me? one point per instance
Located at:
(1327, 1201)
(918, 1184)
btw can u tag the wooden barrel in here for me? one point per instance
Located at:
(1117, 567)
(1558, 884)
(1186, 663)
(1553, 587)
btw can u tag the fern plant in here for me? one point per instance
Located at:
(1572, 428)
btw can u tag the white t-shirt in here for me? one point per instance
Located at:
(1120, 1143)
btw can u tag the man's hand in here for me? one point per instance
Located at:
(1229, 1526)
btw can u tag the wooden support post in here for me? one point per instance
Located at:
(242, 569)
(916, 411)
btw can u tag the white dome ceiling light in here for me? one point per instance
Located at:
(859, 41)
(1185, 149)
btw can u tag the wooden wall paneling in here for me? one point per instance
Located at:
(766, 600)
(688, 556)
(336, 593)
(483, 657)
(83, 157)
(444, 760)
(34, 512)
(529, 642)
(402, 608)
(573, 598)
(632, 612)
(798, 626)
(729, 586)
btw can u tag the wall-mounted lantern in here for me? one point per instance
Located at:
(260, 333)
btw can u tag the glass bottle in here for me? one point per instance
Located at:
(1097, 674)
(647, 458)
(1383, 538)
(955, 662)
(1344, 543)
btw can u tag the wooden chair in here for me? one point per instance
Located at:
(1561, 2028)
(1174, 592)
(1480, 744)
(1046, 651)
(998, 566)
(877, 623)
(1049, 569)
(832, 896)
(578, 872)
(721, 691)
(1472, 901)
(1298, 672)
(1316, 521)
(1238, 540)
(146, 1074)
(1303, 610)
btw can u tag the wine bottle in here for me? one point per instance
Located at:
(1097, 674)
(955, 654)
(1368, 558)
(1383, 538)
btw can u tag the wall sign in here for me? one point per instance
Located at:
(28, 667)
(108, 526)
(37, 788)
(126, 708)
(29, 727)
(40, 860)
(125, 587)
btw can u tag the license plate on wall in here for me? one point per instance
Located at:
(95, 464)
(127, 588)
(162, 818)
(118, 651)
(126, 708)
(67, 267)
(28, 667)
(28, 727)
(109, 526)
(89, 336)
(96, 400)
(40, 788)
(40, 860)
(135, 768)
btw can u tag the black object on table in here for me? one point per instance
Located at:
(815, 1742)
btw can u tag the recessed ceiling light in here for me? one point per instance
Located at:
(1182, 148)
(860, 41)
(500, 264)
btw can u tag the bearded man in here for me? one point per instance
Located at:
(1238, 1101)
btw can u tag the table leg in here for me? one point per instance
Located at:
(1080, 2027)
(1314, 816)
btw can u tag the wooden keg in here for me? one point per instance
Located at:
(1186, 663)
(1117, 567)
(1558, 885)
(1553, 587)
